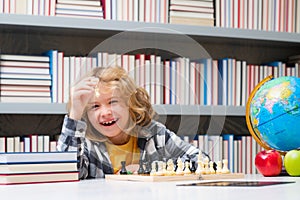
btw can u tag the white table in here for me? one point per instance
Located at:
(124, 190)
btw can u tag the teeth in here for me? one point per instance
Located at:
(108, 122)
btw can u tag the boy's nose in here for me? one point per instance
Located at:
(106, 110)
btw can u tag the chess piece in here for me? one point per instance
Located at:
(123, 168)
(200, 167)
(153, 168)
(147, 169)
(141, 168)
(164, 167)
(160, 168)
(225, 169)
(206, 166)
(193, 167)
(200, 155)
(211, 168)
(170, 167)
(187, 170)
(179, 170)
(219, 167)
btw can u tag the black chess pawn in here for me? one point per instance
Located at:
(215, 166)
(147, 169)
(123, 168)
(156, 166)
(193, 167)
(175, 165)
(141, 168)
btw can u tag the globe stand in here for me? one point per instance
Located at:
(248, 121)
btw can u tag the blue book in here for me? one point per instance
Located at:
(228, 139)
(53, 57)
(220, 82)
(173, 80)
(206, 76)
(223, 82)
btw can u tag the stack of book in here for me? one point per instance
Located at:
(28, 7)
(38, 167)
(28, 143)
(25, 78)
(79, 9)
(192, 12)
(153, 11)
(267, 15)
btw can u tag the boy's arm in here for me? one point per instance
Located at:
(72, 138)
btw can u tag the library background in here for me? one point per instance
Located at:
(199, 61)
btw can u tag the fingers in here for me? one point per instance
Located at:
(87, 84)
(92, 81)
(81, 93)
(83, 90)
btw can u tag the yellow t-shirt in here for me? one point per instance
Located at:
(128, 152)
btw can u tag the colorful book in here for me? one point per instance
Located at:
(11, 63)
(53, 56)
(37, 167)
(80, 2)
(25, 76)
(28, 58)
(24, 70)
(30, 178)
(9, 81)
(230, 149)
(37, 157)
(29, 88)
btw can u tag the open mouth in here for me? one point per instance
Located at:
(109, 123)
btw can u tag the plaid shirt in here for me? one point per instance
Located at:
(155, 142)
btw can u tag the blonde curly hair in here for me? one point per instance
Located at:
(136, 98)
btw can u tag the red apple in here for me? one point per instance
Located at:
(268, 162)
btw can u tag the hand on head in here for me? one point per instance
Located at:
(80, 95)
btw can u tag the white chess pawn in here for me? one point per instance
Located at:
(200, 167)
(225, 169)
(200, 156)
(206, 166)
(219, 167)
(164, 168)
(180, 167)
(153, 169)
(211, 168)
(187, 170)
(160, 168)
(170, 167)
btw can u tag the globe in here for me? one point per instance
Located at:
(273, 113)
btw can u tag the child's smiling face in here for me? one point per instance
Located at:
(108, 113)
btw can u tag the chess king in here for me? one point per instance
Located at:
(110, 119)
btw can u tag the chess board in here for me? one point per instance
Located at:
(147, 178)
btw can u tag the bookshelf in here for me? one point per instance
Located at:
(60, 108)
(41, 33)
(23, 34)
(32, 108)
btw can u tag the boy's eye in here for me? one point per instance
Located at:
(113, 101)
(94, 106)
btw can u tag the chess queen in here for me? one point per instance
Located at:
(110, 120)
